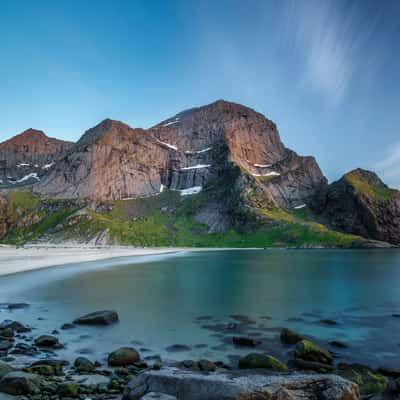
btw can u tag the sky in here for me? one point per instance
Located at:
(326, 72)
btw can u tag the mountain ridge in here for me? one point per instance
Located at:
(225, 159)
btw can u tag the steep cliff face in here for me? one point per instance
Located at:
(29, 155)
(362, 204)
(187, 152)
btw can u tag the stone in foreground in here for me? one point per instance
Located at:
(98, 318)
(190, 385)
(20, 383)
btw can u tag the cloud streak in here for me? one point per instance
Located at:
(332, 39)
(389, 167)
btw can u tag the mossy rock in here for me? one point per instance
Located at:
(368, 380)
(288, 336)
(123, 356)
(68, 389)
(20, 383)
(4, 369)
(256, 360)
(48, 367)
(46, 370)
(309, 351)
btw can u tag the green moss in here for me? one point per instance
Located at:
(256, 360)
(370, 382)
(370, 189)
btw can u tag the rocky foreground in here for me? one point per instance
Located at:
(30, 369)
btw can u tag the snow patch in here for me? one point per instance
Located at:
(29, 176)
(262, 165)
(192, 190)
(168, 145)
(199, 151)
(47, 166)
(300, 206)
(172, 122)
(273, 173)
(196, 167)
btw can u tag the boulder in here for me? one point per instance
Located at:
(4, 369)
(47, 341)
(257, 360)
(191, 385)
(123, 356)
(68, 389)
(48, 367)
(367, 379)
(20, 383)
(309, 351)
(98, 318)
(206, 365)
(82, 364)
(14, 325)
(288, 336)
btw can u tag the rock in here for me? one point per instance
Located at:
(244, 341)
(14, 325)
(309, 351)
(157, 396)
(123, 356)
(6, 333)
(177, 348)
(288, 336)
(5, 345)
(328, 322)
(82, 364)
(67, 326)
(68, 389)
(20, 383)
(256, 360)
(312, 366)
(25, 349)
(206, 365)
(98, 318)
(48, 367)
(338, 344)
(190, 385)
(391, 372)
(47, 341)
(4, 368)
(17, 306)
(367, 379)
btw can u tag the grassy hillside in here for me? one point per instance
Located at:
(168, 220)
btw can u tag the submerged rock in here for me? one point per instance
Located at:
(14, 325)
(244, 341)
(256, 360)
(190, 385)
(288, 336)
(98, 318)
(309, 351)
(123, 356)
(206, 365)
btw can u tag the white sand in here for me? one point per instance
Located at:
(14, 260)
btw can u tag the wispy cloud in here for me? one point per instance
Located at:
(389, 167)
(332, 37)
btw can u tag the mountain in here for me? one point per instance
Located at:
(113, 161)
(362, 204)
(217, 175)
(27, 156)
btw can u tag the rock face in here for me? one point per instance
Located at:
(362, 204)
(28, 156)
(194, 148)
(197, 386)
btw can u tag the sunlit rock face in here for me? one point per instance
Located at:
(187, 152)
(27, 157)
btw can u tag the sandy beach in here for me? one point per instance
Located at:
(14, 260)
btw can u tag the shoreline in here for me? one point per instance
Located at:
(14, 260)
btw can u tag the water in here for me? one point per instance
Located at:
(201, 299)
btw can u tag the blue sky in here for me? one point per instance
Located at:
(327, 72)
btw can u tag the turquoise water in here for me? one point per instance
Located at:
(201, 299)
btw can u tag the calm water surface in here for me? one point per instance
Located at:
(201, 299)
